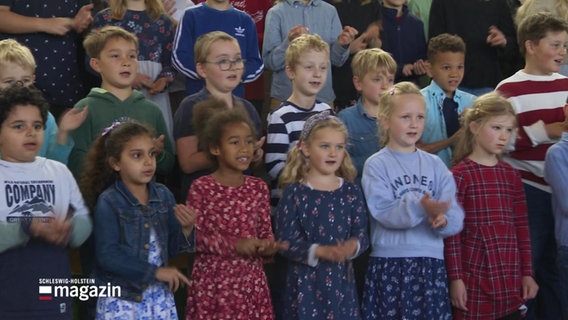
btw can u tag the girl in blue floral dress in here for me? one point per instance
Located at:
(137, 225)
(323, 217)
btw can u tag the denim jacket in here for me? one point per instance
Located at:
(122, 234)
(435, 126)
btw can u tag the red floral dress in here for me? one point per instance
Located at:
(223, 284)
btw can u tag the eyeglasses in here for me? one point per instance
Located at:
(226, 64)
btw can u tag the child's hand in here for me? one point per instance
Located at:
(58, 26)
(439, 221)
(186, 217)
(172, 277)
(73, 118)
(296, 32)
(434, 207)
(530, 288)
(347, 249)
(458, 294)
(141, 81)
(496, 38)
(248, 247)
(159, 85)
(159, 142)
(269, 248)
(258, 152)
(347, 35)
(54, 231)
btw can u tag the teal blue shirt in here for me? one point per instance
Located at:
(435, 126)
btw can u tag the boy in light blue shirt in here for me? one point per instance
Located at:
(444, 101)
(557, 161)
(373, 73)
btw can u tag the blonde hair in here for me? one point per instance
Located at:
(11, 51)
(118, 9)
(297, 165)
(303, 44)
(372, 60)
(202, 47)
(530, 7)
(387, 102)
(484, 107)
(98, 38)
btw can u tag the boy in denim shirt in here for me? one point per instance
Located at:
(373, 73)
(444, 101)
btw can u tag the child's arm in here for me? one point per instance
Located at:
(555, 162)
(83, 136)
(253, 63)
(447, 190)
(437, 146)
(359, 221)
(522, 224)
(60, 148)
(339, 48)
(78, 214)
(113, 257)
(392, 213)
(165, 159)
(168, 73)
(52, 148)
(182, 55)
(13, 23)
(274, 44)
(277, 145)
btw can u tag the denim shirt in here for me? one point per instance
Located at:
(122, 235)
(435, 126)
(320, 18)
(363, 135)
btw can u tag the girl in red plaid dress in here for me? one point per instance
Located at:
(489, 262)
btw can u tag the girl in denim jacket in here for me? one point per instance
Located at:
(136, 229)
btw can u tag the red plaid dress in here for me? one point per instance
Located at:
(493, 251)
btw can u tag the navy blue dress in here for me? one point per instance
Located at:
(324, 289)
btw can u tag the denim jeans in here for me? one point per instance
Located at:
(543, 245)
(562, 264)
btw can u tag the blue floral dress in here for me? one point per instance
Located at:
(307, 217)
(157, 300)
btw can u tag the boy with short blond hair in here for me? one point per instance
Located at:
(538, 94)
(307, 64)
(373, 73)
(17, 67)
(444, 101)
(114, 53)
(219, 62)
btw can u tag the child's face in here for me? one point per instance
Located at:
(137, 163)
(406, 123)
(220, 53)
(236, 150)
(447, 69)
(373, 84)
(117, 64)
(21, 134)
(11, 73)
(325, 150)
(310, 73)
(492, 136)
(548, 54)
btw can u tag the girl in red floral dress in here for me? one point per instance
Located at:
(232, 230)
(489, 263)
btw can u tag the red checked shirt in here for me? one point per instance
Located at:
(492, 252)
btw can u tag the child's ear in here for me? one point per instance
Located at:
(529, 46)
(113, 163)
(94, 63)
(215, 150)
(357, 83)
(290, 72)
(200, 68)
(304, 149)
(474, 127)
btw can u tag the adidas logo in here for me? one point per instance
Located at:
(239, 31)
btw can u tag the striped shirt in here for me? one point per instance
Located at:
(284, 127)
(538, 100)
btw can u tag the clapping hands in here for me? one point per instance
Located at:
(254, 247)
(340, 252)
(436, 211)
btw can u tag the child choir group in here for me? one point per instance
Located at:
(371, 181)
